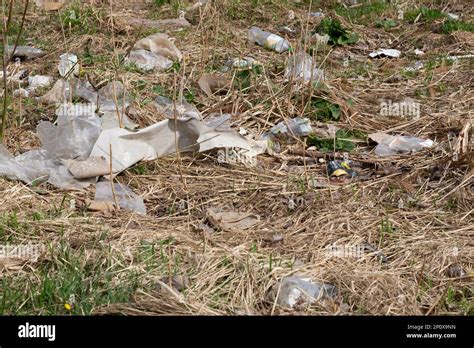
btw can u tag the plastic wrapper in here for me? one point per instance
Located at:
(125, 197)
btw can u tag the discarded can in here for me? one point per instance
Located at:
(340, 168)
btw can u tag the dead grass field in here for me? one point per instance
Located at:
(416, 209)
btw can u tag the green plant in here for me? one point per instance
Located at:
(342, 142)
(424, 13)
(7, 57)
(243, 79)
(386, 24)
(450, 26)
(325, 110)
(337, 34)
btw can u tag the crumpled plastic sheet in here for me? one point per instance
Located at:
(160, 139)
(111, 112)
(389, 145)
(295, 290)
(126, 198)
(299, 127)
(79, 136)
(160, 44)
(73, 137)
(155, 52)
(12, 169)
(385, 52)
(301, 66)
(147, 61)
(25, 52)
(184, 110)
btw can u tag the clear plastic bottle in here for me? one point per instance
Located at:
(268, 40)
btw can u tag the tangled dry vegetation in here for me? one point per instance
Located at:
(416, 209)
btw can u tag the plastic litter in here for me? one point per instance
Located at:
(213, 83)
(453, 17)
(126, 198)
(160, 139)
(419, 52)
(294, 290)
(34, 82)
(154, 52)
(24, 52)
(286, 30)
(160, 44)
(268, 40)
(418, 65)
(457, 58)
(301, 66)
(68, 65)
(320, 39)
(384, 52)
(89, 168)
(147, 61)
(316, 14)
(73, 137)
(240, 64)
(231, 220)
(389, 145)
(60, 92)
(299, 127)
(39, 81)
(184, 110)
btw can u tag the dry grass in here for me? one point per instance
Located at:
(416, 209)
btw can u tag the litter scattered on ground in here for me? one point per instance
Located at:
(419, 52)
(319, 39)
(180, 109)
(155, 52)
(389, 145)
(59, 93)
(455, 271)
(418, 65)
(123, 195)
(160, 139)
(24, 52)
(340, 168)
(39, 81)
(68, 65)
(384, 52)
(160, 44)
(89, 168)
(285, 131)
(268, 40)
(324, 130)
(286, 30)
(34, 82)
(302, 66)
(213, 83)
(457, 58)
(245, 63)
(453, 17)
(102, 206)
(177, 282)
(147, 61)
(298, 291)
(231, 221)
